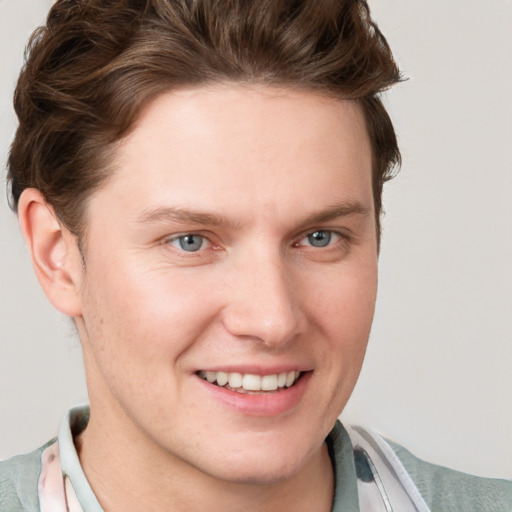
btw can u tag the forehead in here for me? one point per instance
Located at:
(216, 146)
(271, 118)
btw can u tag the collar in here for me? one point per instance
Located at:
(75, 422)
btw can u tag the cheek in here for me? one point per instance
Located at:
(126, 308)
(345, 314)
(138, 326)
(344, 306)
(148, 314)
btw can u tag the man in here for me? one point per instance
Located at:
(199, 185)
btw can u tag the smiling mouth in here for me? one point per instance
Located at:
(251, 383)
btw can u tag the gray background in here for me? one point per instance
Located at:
(437, 376)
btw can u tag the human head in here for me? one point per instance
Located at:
(96, 63)
(150, 323)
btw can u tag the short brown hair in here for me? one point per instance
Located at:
(96, 63)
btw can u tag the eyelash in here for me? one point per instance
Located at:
(179, 240)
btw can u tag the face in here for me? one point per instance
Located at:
(230, 278)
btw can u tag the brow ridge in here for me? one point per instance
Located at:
(176, 214)
(343, 209)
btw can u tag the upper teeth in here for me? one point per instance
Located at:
(252, 382)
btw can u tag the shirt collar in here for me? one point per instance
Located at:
(345, 481)
(75, 422)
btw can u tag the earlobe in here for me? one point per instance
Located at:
(54, 252)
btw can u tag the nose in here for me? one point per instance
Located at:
(264, 302)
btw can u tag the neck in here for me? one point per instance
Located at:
(128, 473)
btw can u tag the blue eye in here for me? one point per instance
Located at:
(189, 243)
(320, 238)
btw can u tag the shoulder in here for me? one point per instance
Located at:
(446, 490)
(19, 477)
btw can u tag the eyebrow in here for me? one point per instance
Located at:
(336, 211)
(173, 214)
(170, 214)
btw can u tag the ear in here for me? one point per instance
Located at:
(54, 252)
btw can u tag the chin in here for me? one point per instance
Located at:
(256, 473)
(263, 464)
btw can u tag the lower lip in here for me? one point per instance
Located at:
(264, 404)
